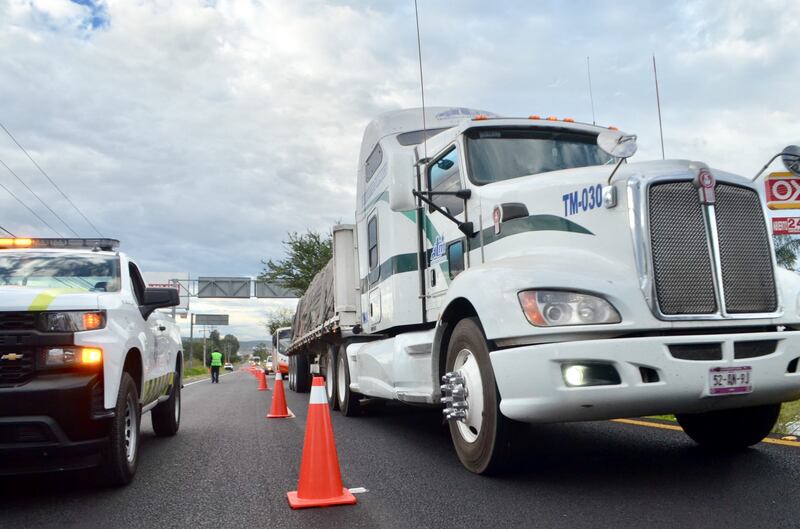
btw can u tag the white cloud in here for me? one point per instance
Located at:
(199, 133)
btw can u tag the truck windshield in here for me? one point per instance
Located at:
(502, 154)
(284, 341)
(89, 272)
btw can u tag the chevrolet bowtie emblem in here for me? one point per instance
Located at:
(11, 356)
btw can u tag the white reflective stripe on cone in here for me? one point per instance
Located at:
(278, 376)
(318, 395)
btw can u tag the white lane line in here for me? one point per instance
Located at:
(205, 380)
(358, 490)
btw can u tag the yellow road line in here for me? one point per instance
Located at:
(649, 424)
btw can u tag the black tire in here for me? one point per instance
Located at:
(119, 464)
(330, 378)
(349, 401)
(166, 416)
(730, 429)
(489, 451)
(291, 373)
(302, 381)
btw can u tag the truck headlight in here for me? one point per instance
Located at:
(553, 308)
(72, 321)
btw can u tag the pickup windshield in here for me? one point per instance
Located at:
(89, 272)
(505, 153)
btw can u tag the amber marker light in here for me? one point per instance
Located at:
(531, 308)
(568, 120)
(480, 117)
(93, 320)
(91, 355)
(534, 116)
(552, 118)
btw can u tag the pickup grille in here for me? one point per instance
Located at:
(16, 367)
(683, 266)
(18, 321)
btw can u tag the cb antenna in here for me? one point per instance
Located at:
(421, 84)
(591, 96)
(658, 104)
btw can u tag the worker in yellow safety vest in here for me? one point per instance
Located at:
(216, 363)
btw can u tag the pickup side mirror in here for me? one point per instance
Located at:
(158, 298)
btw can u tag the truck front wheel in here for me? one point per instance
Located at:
(330, 378)
(481, 439)
(122, 454)
(349, 401)
(730, 429)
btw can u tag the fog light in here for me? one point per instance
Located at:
(579, 375)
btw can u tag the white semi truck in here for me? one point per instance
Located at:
(521, 270)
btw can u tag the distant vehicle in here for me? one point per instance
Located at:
(83, 353)
(268, 365)
(228, 366)
(282, 341)
(255, 360)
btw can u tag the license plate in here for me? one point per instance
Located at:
(729, 380)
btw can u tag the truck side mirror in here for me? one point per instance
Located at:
(791, 159)
(158, 298)
(402, 176)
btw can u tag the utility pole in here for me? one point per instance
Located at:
(191, 340)
(204, 345)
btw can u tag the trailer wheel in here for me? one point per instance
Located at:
(482, 440)
(730, 429)
(349, 401)
(291, 373)
(302, 374)
(330, 378)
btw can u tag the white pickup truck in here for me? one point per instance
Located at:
(83, 353)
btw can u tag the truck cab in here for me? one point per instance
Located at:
(83, 353)
(526, 270)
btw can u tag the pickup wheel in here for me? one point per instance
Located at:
(330, 378)
(349, 401)
(122, 454)
(730, 429)
(482, 439)
(166, 416)
(302, 374)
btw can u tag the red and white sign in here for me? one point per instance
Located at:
(783, 191)
(786, 225)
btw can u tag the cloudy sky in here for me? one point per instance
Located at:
(200, 132)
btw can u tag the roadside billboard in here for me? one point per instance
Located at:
(782, 190)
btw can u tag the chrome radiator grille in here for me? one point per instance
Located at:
(681, 263)
(744, 251)
(683, 251)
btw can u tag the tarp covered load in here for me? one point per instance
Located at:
(316, 305)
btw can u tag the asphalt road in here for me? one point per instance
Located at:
(229, 467)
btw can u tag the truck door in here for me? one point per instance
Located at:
(148, 330)
(447, 251)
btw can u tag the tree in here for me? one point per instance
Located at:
(230, 345)
(278, 318)
(305, 256)
(786, 248)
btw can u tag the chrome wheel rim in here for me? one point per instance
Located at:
(340, 379)
(467, 365)
(131, 433)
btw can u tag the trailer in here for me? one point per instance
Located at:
(522, 270)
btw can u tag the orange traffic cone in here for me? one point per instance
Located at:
(320, 482)
(262, 381)
(278, 409)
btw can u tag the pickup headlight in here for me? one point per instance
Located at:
(71, 356)
(72, 321)
(553, 308)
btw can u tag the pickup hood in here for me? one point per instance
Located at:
(13, 298)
